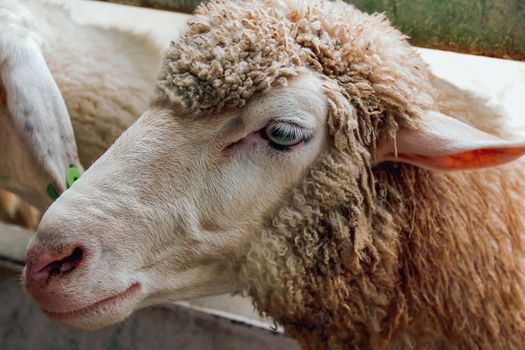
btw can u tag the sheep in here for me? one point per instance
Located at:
(104, 76)
(302, 153)
(15, 211)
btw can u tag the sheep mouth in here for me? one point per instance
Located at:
(95, 307)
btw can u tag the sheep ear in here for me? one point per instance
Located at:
(445, 143)
(37, 114)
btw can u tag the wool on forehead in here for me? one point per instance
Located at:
(233, 50)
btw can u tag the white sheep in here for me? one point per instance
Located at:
(301, 152)
(104, 76)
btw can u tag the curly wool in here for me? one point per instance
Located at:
(358, 256)
(233, 50)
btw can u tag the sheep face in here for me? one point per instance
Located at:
(177, 201)
(254, 169)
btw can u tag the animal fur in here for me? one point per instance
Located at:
(363, 256)
(105, 76)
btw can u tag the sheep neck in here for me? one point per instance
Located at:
(432, 270)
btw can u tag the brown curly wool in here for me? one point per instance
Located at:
(359, 256)
(233, 50)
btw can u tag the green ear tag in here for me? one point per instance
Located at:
(72, 175)
(52, 192)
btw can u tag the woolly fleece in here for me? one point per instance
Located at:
(359, 256)
(104, 93)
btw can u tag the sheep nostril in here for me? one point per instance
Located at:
(64, 265)
(70, 262)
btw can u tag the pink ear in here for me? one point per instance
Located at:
(445, 143)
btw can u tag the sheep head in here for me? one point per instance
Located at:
(253, 170)
(36, 137)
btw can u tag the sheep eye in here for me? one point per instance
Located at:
(283, 135)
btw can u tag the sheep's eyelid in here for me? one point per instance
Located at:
(300, 118)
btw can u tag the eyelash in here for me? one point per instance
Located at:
(284, 130)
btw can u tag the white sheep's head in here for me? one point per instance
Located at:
(261, 106)
(37, 144)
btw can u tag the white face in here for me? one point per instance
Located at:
(169, 210)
